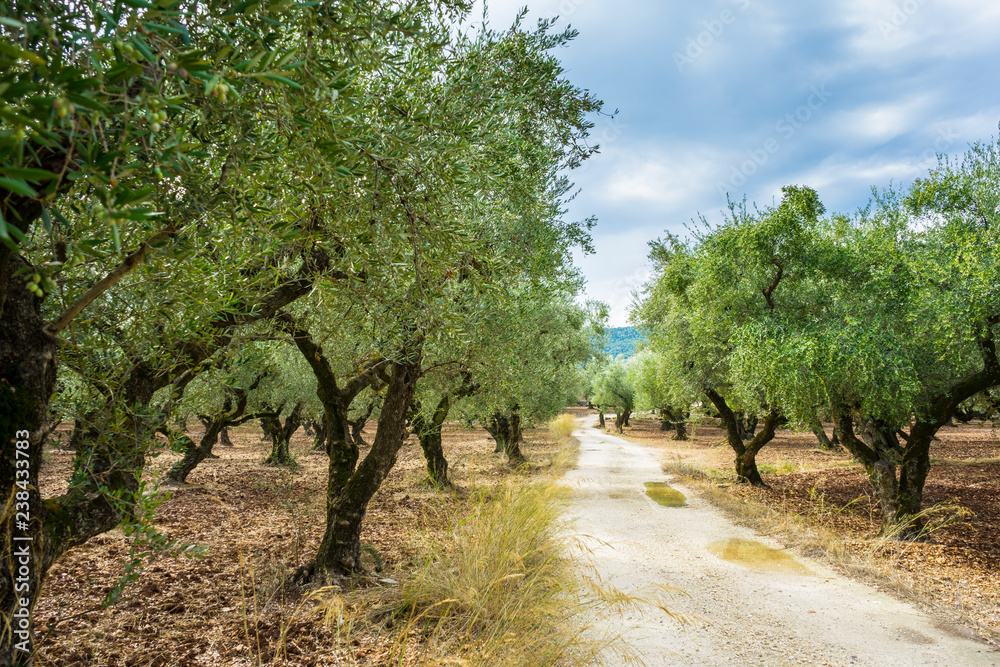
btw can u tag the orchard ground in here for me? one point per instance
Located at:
(259, 524)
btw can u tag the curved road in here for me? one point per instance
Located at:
(797, 613)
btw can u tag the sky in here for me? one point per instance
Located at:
(746, 96)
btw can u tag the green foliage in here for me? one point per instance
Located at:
(623, 341)
(613, 389)
(882, 311)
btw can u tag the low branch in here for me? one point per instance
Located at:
(107, 282)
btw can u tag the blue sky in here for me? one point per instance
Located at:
(746, 96)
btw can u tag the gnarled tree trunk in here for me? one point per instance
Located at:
(319, 444)
(746, 452)
(281, 435)
(673, 418)
(429, 432)
(109, 461)
(746, 424)
(358, 425)
(195, 454)
(340, 550)
(506, 430)
(215, 427)
(348, 489)
(825, 443)
(27, 380)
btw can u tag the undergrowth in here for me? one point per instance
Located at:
(562, 426)
(502, 590)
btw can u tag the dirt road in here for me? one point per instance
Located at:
(758, 607)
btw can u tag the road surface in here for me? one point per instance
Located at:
(788, 611)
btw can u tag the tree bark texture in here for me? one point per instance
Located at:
(358, 425)
(110, 456)
(622, 420)
(429, 432)
(746, 452)
(27, 380)
(825, 443)
(349, 489)
(675, 419)
(347, 501)
(281, 435)
(319, 443)
(747, 425)
(506, 430)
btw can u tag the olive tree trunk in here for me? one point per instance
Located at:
(350, 488)
(281, 435)
(215, 427)
(825, 443)
(898, 472)
(429, 433)
(340, 549)
(109, 460)
(319, 444)
(746, 452)
(506, 430)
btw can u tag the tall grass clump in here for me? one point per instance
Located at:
(562, 427)
(503, 590)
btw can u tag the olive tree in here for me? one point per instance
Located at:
(653, 391)
(703, 295)
(148, 143)
(900, 329)
(613, 389)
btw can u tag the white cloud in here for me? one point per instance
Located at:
(882, 121)
(664, 178)
(619, 268)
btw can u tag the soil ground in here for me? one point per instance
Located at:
(956, 572)
(259, 524)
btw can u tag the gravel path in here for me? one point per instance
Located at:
(802, 614)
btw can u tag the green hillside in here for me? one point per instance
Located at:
(623, 340)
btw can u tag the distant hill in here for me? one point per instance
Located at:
(623, 340)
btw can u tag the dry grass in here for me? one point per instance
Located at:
(502, 590)
(687, 469)
(562, 427)
(235, 607)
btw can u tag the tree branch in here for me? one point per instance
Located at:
(107, 282)
(768, 291)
